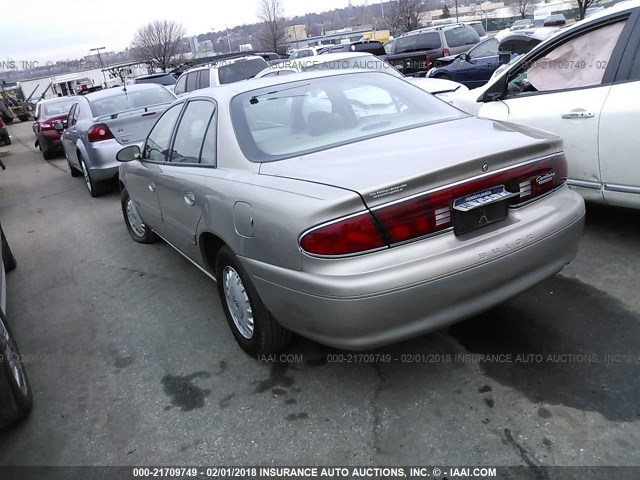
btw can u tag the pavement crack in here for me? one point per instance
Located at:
(539, 472)
(377, 412)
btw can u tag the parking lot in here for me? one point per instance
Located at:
(132, 362)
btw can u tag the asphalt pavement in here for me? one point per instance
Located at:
(132, 362)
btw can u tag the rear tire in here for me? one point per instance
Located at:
(96, 189)
(15, 378)
(7, 255)
(135, 224)
(24, 118)
(6, 139)
(73, 170)
(442, 76)
(253, 327)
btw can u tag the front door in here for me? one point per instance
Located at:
(141, 177)
(563, 91)
(179, 191)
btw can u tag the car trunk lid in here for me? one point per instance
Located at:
(398, 165)
(132, 126)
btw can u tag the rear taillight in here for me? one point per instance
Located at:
(99, 132)
(46, 126)
(445, 52)
(354, 234)
(427, 61)
(430, 213)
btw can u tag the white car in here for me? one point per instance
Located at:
(365, 61)
(582, 84)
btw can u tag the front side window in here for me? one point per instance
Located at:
(488, 48)
(322, 113)
(54, 109)
(191, 132)
(159, 138)
(578, 62)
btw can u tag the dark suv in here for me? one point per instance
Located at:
(414, 52)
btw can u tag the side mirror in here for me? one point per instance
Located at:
(465, 57)
(128, 154)
(59, 126)
(496, 90)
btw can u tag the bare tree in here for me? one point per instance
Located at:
(271, 14)
(524, 7)
(582, 6)
(405, 15)
(158, 41)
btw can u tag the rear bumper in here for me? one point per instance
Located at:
(101, 159)
(428, 284)
(50, 141)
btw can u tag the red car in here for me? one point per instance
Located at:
(4, 134)
(48, 112)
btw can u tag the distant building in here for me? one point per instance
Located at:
(294, 34)
(194, 46)
(206, 46)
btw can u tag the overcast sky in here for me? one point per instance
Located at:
(42, 30)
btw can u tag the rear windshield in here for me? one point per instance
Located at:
(160, 80)
(364, 62)
(302, 117)
(58, 108)
(458, 37)
(417, 42)
(129, 100)
(479, 29)
(234, 72)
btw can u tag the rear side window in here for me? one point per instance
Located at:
(192, 81)
(479, 29)
(191, 132)
(243, 70)
(418, 42)
(129, 100)
(458, 37)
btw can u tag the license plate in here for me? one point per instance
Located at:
(480, 209)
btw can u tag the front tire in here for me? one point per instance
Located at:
(253, 327)
(96, 189)
(15, 383)
(135, 224)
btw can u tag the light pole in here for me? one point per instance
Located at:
(97, 49)
(456, 11)
(228, 41)
(382, 7)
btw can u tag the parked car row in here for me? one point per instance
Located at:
(350, 207)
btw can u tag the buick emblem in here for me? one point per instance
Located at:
(485, 167)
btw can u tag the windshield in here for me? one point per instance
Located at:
(312, 115)
(243, 70)
(368, 62)
(58, 108)
(129, 100)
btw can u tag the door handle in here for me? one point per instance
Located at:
(578, 113)
(189, 198)
(152, 187)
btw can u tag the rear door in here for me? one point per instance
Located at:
(70, 135)
(181, 198)
(619, 142)
(411, 52)
(141, 177)
(563, 90)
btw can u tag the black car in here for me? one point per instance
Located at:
(16, 397)
(363, 46)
